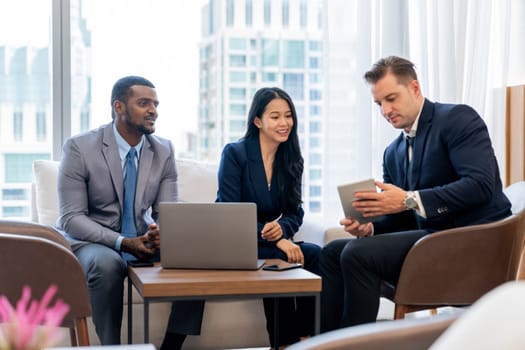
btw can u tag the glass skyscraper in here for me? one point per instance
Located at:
(26, 111)
(249, 44)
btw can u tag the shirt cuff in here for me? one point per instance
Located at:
(420, 208)
(118, 243)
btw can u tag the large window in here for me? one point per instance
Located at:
(238, 109)
(18, 166)
(267, 12)
(303, 13)
(41, 126)
(270, 53)
(237, 60)
(25, 100)
(230, 13)
(293, 53)
(208, 57)
(238, 77)
(294, 84)
(286, 13)
(236, 44)
(238, 93)
(48, 94)
(158, 40)
(249, 13)
(18, 125)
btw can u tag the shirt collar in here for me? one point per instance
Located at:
(123, 145)
(413, 130)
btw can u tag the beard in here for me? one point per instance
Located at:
(143, 129)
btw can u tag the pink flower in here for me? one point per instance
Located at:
(33, 324)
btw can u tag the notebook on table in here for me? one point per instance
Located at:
(208, 236)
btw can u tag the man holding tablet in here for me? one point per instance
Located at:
(439, 173)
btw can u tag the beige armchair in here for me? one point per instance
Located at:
(456, 267)
(38, 256)
(516, 195)
(495, 321)
(407, 334)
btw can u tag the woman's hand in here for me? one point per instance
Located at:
(272, 231)
(292, 251)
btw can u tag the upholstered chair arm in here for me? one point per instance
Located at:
(33, 229)
(451, 267)
(407, 334)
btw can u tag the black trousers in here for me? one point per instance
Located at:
(296, 315)
(352, 271)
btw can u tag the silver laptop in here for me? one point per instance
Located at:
(208, 236)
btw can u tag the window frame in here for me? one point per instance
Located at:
(60, 74)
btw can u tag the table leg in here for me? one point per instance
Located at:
(317, 326)
(146, 321)
(130, 312)
(276, 323)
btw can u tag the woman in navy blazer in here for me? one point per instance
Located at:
(265, 167)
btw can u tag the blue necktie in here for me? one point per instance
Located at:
(128, 227)
(410, 145)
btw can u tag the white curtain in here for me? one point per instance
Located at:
(464, 51)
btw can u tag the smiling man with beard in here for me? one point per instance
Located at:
(110, 183)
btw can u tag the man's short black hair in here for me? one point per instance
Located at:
(122, 88)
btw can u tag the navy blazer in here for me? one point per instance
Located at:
(454, 169)
(242, 178)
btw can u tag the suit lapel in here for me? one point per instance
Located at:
(402, 156)
(256, 170)
(112, 158)
(423, 128)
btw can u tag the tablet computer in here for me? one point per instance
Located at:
(346, 194)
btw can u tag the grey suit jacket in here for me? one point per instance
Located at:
(90, 186)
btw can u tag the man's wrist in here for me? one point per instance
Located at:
(410, 201)
(118, 243)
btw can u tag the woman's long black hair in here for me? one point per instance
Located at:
(288, 163)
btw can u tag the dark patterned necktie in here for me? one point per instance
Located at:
(410, 144)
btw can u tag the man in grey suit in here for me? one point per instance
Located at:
(91, 203)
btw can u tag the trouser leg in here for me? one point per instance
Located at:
(305, 306)
(105, 271)
(288, 333)
(332, 295)
(365, 262)
(186, 317)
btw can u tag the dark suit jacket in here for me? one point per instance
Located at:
(91, 187)
(242, 179)
(454, 170)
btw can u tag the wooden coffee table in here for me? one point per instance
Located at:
(155, 284)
